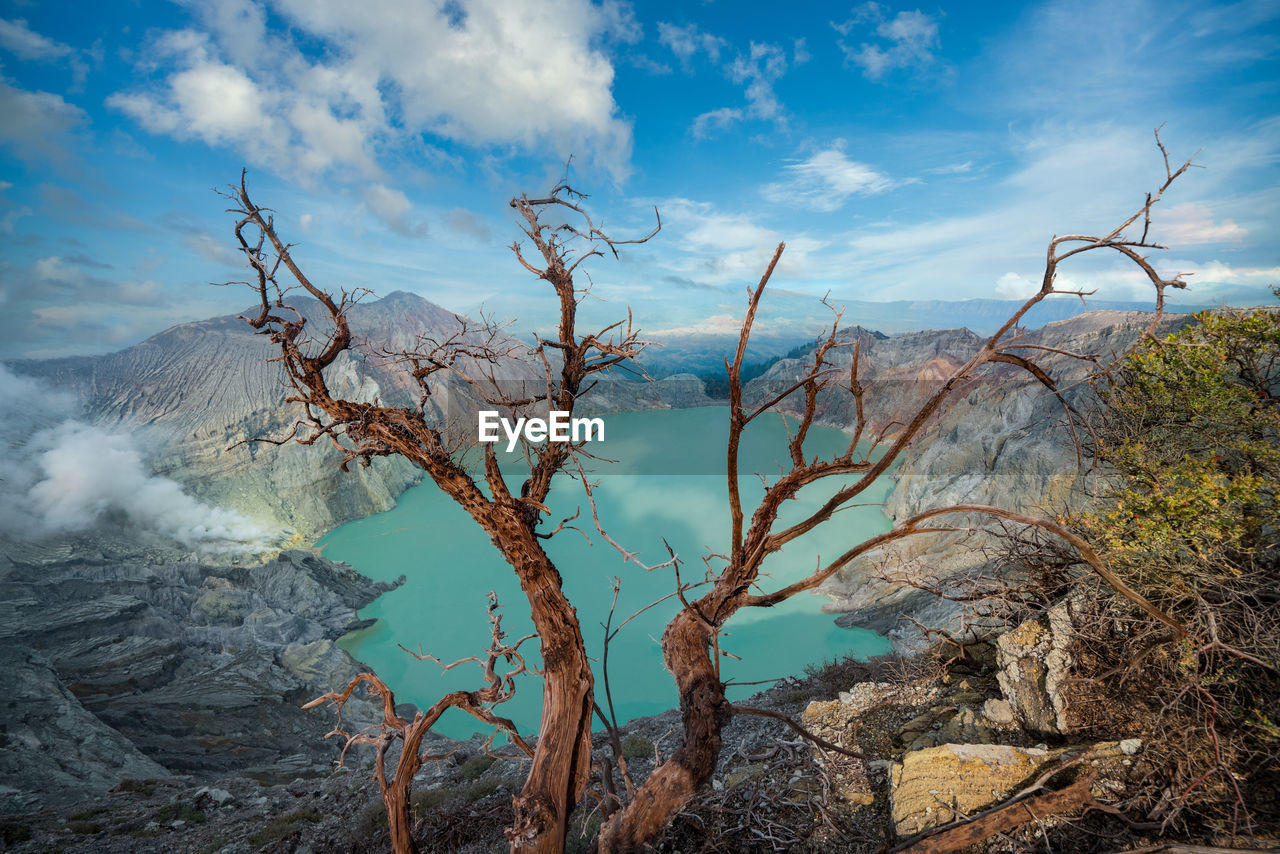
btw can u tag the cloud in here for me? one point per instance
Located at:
(64, 279)
(1190, 223)
(1065, 179)
(688, 41)
(34, 122)
(685, 284)
(483, 73)
(717, 248)
(391, 208)
(68, 206)
(1013, 286)
(826, 180)
(62, 475)
(1213, 280)
(17, 38)
(212, 250)
(759, 68)
(950, 169)
(800, 52)
(714, 120)
(465, 222)
(907, 40)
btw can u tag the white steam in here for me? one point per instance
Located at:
(63, 475)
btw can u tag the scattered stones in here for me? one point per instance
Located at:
(965, 727)
(1130, 746)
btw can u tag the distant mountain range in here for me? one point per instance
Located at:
(783, 325)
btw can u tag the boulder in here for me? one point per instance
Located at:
(1034, 660)
(931, 787)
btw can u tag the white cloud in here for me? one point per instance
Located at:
(1082, 179)
(212, 250)
(1210, 280)
(1013, 286)
(54, 269)
(688, 41)
(1190, 223)
(950, 169)
(285, 129)
(713, 120)
(826, 180)
(716, 248)
(907, 40)
(17, 38)
(759, 68)
(392, 209)
(800, 52)
(11, 217)
(34, 122)
(481, 72)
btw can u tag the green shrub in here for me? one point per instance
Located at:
(636, 747)
(475, 767)
(1191, 434)
(372, 820)
(179, 811)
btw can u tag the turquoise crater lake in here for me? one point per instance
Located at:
(669, 482)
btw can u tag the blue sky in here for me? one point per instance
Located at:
(902, 151)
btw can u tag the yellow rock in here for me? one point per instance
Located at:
(930, 786)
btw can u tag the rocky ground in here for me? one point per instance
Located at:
(940, 741)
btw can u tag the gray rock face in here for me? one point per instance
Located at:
(678, 391)
(1002, 441)
(50, 743)
(143, 666)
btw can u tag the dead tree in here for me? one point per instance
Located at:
(363, 430)
(690, 643)
(561, 758)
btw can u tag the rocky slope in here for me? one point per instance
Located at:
(128, 662)
(937, 742)
(195, 395)
(1003, 440)
(127, 655)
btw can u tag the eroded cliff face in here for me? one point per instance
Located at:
(1002, 440)
(124, 659)
(197, 398)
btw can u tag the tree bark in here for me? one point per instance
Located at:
(562, 761)
(705, 711)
